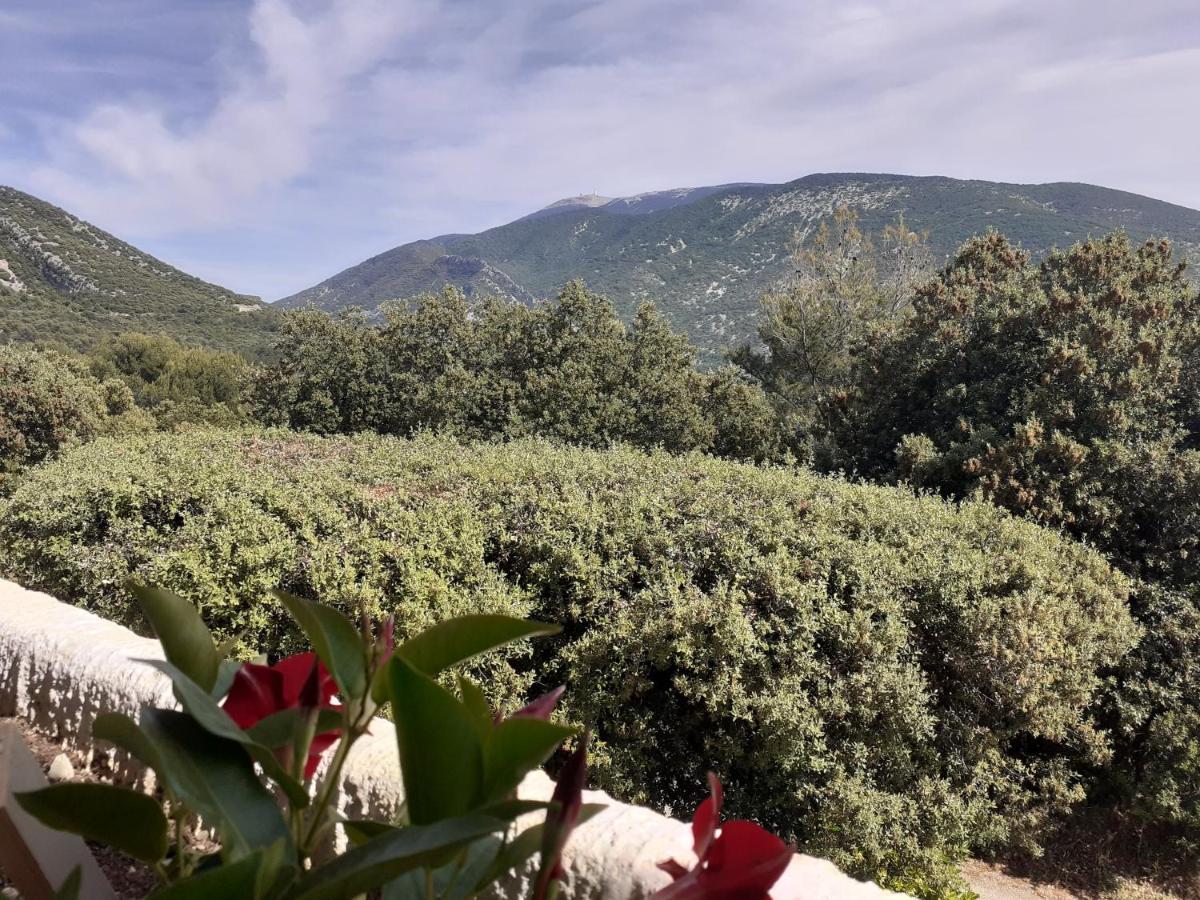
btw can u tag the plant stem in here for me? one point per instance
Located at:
(459, 866)
(180, 864)
(351, 733)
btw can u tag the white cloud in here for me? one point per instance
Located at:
(359, 124)
(138, 163)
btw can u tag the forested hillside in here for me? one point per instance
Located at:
(705, 256)
(64, 281)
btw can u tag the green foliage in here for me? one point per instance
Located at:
(185, 638)
(890, 679)
(845, 287)
(74, 284)
(1031, 384)
(1154, 709)
(329, 376)
(128, 820)
(176, 384)
(570, 370)
(1066, 392)
(48, 402)
(939, 878)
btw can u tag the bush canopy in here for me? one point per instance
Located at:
(889, 679)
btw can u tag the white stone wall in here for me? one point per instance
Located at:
(61, 666)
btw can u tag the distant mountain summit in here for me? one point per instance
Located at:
(638, 204)
(583, 201)
(705, 254)
(63, 279)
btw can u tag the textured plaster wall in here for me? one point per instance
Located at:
(61, 666)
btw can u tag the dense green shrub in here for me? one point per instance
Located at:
(1153, 711)
(1065, 391)
(1025, 383)
(176, 384)
(494, 370)
(48, 401)
(889, 678)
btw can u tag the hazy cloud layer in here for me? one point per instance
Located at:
(267, 144)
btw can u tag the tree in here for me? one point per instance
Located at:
(1026, 383)
(431, 355)
(329, 376)
(845, 286)
(1065, 392)
(49, 401)
(176, 384)
(497, 370)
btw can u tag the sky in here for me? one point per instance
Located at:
(267, 144)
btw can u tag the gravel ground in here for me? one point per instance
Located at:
(130, 879)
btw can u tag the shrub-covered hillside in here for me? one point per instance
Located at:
(708, 258)
(891, 679)
(64, 280)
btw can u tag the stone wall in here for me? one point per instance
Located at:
(61, 666)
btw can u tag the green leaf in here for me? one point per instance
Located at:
(283, 728)
(126, 820)
(513, 808)
(390, 855)
(529, 842)
(215, 778)
(476, 703)
(459, 639)
(518, 851)
(239, 879)
(359, 831)
(334, 639)
(123, 731)
(211, 717)
(453, 881)
(185, 639)
(441, 752)
(480, 857)
(514, 748)
(70, 887)
(225, 675)
(276, 872)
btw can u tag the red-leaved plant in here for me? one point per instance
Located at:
(295, 682)
(242, 751)
(735, 861)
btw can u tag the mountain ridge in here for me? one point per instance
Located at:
(65, 280)
(637, 204)
(706, 254)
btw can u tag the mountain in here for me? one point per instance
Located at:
(704, 255)
(62, 279)
(639, 204)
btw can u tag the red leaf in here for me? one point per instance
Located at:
(542, 707)
(735, 861)
(256, 692)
